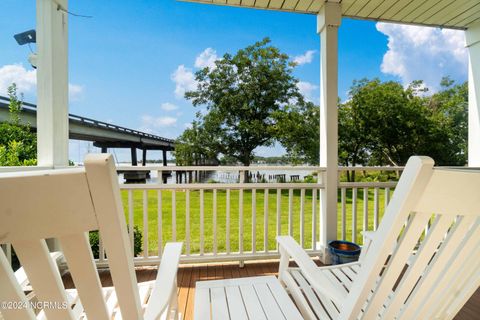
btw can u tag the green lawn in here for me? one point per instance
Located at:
(234, 217)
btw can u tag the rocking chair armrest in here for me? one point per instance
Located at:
(165, 283)
(368, 237)
(289, 247)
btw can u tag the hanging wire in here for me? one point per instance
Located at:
(61, 8)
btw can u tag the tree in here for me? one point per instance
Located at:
(245, 95)
(450, 112)
(192, 146)
(383, 123)
(299, 133)
(394, 120)
(18, 144)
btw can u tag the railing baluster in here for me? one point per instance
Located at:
(375, 208)
(254, 220)
(187, 222)
(215, 222)
(290, 212)
(314, 219)
(279, 212)
(202, 213)
(354, 214)
(145, 223)
(387, 198)
(240, 221)
(101, 250)
(302, 218)
(265, 220)
(227, 227)
(8, 253)
(174, 215)
(344, 212)
(241, 178)
(365, 209)
(160, 214)
(130, 220)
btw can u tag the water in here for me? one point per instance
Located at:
(232, 176)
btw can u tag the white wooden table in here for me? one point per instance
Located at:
(243, 298)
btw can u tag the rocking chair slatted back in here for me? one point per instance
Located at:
(66, 204)
(430, 274)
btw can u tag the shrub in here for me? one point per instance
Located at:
(309, 179)
(137, 242)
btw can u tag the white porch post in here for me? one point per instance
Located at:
(52, 83)
(328, 21)
(473, 44)
(52, 87)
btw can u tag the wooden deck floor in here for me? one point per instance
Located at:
(189, 274)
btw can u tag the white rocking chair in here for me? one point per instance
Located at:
(65, 204)
(407, 272)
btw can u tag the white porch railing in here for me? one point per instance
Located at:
(239, 221)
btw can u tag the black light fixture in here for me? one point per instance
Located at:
(29, 36)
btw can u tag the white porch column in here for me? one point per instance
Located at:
(473, 44)
(328, 21)
(52, 83)
(52, 87)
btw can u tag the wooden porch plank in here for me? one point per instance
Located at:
(211, 271)
(227, 271)
(184, 287)
(235, 271)
(191, 293)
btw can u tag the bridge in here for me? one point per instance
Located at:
(103, 135)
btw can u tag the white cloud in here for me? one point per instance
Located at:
(423, 53)
(75, 91)
(26, 81)
(308, 90)
(158, 122)
(206, 59)
(305, 58)
(167, 106)
(184, 80)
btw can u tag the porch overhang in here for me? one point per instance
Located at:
(458, 14)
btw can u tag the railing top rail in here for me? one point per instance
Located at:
(221, 186)
(216, 168)
(368, 184)
(23, 169)
(250, 168)
(371, 168)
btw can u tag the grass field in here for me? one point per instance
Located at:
(234, 217)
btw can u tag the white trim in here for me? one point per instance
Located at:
(328, 21)
(52, 83)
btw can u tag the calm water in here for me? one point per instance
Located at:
(232, 176)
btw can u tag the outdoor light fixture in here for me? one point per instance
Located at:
(29, 36)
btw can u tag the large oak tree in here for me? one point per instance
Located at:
(245, 95)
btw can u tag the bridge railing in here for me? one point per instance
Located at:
(4, 101)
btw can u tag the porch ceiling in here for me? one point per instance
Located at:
(456, 14)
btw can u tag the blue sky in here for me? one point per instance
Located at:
(131, 61)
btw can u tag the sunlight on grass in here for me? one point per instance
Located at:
(209, 227)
